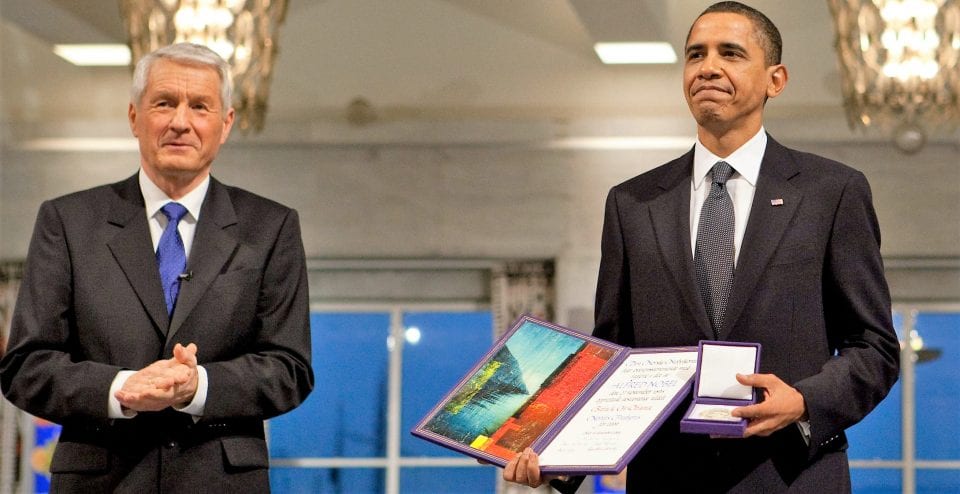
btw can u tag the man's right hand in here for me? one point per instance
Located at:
(163, 383)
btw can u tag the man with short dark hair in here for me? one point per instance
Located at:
(161, 319)
(743, 239)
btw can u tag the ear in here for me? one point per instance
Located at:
(778, 80)
(227, 125)
(132, 116)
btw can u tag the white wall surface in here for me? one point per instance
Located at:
(478, 201)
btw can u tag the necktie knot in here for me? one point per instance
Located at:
(174, 211)
(722, 172)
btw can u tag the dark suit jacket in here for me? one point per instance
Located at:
(809, 286)
(91, 305)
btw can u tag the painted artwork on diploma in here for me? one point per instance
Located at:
(527, 381)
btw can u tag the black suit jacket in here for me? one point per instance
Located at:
(808, 285)
(91, 305)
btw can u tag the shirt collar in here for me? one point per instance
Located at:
(745, 160)
(154, 198)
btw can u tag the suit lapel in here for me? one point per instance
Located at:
(774, 204)
(670, 214)
(213, 247)
(132, 249)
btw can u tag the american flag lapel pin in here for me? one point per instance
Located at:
(776, 202)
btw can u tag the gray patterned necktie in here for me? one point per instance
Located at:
(713, 257)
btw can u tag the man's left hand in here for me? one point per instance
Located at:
(164, 383)
(782, 405)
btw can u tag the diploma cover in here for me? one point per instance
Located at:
(585, 405)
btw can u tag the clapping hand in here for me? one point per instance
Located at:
(163, 383)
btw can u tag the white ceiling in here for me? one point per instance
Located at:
(484, 70)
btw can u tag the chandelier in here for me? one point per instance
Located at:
(243, 32)
(898, 64)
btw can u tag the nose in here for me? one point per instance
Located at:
(710, 67)
(179, 121)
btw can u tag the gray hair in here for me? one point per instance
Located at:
(188, 53)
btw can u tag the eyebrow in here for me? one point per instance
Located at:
(733, 46)
(162, 91)
(727, 45)
(168, 94)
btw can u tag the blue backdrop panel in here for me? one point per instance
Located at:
(345, 416)
(450, 344)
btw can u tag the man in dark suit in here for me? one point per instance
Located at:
(805, 279)
(161, 319)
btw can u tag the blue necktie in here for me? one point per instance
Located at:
(171, 257)
(715, 247)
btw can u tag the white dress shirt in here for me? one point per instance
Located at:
(155, 199)
(742, 185)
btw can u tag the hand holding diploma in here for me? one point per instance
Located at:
(525, 469)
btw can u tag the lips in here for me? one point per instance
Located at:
(709, 87)
(177, 144)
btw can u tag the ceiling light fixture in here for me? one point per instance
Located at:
(81, 144)
(898, 62)
(635, 53)
(94, 55)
